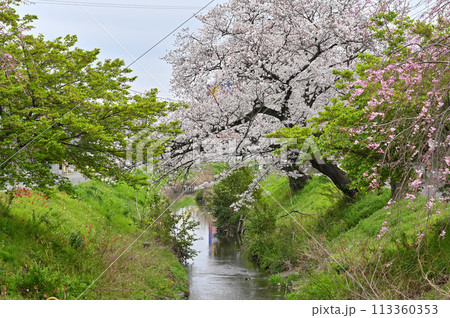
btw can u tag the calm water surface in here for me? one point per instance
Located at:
(221, 269)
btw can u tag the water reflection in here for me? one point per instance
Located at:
(221, 269)
(213, 241)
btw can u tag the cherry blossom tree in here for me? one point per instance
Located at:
(393, 125)
(258, 66)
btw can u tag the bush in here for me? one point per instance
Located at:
(225, 193)
(270, 244)
(168, 228)
(183, 237)
(203, 196)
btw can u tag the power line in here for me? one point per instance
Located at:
(119, 44)
(421, 9)
(167, 99)
(98, 89)
(115, 5)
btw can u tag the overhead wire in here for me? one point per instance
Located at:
(115, 5)
(98, 89)
(421, 9)
(130, 6)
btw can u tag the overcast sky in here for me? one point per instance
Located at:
(135, 29)
(115, 25)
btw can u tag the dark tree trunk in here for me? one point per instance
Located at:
(336, 175)
(396, 190)
(298, 182)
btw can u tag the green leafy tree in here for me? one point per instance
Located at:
(59, 103)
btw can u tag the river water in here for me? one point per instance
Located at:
(221, 269)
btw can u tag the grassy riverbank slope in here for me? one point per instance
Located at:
(327, 246)
(58, 246)
(336, 249)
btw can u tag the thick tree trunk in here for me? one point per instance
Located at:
(336, 175)
(298, 183)
(295, 182)
(396, 190)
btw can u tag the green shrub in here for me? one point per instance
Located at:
(167, 227)
(183, 237)
(261, 219)
(271, 235)
(225, 193)
(276, 280)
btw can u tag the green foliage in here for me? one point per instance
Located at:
(81, 106)
(199, 197)
(219, 167)
(185, 202)
(61, 244)
(320, 286)
(169, 228)
(276, 280)
(388, 27)
(40, 281)
(301, 134)
(271, 235)
(279, 280)
(183, 236)
(349, 233)
(225, 193)
(346, 215)
(261, 219)
(260, 237)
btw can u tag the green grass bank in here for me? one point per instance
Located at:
(365, 249)
(320, 245)
(59, 246)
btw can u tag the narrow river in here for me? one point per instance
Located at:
(221, 269)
